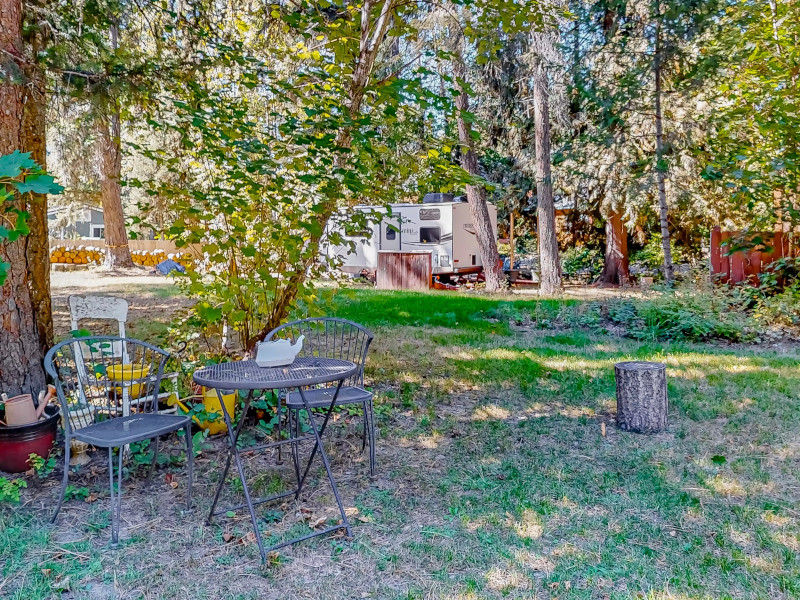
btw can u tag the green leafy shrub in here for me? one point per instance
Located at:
(779, 309)
(652, 255)
(76, 493)
(589, 315)
(10, 489)
(582, 260)
(687, 314)
(506, 312)
(42, 468)
(779, 275)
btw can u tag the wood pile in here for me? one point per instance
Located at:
(92, 255)
(151, 258)
(77, 255)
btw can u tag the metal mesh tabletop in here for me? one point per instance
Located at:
(247, 375)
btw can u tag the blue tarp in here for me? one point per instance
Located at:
(168, 266)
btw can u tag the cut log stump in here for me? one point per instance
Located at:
(641, 396)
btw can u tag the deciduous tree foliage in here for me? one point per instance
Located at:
(755, 152)
(276, 139)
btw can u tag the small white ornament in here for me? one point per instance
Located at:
(278, 353)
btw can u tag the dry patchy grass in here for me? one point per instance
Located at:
(495, 481)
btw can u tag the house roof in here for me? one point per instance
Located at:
(61, 209)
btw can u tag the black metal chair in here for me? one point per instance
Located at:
(109, 399)
(327, 337)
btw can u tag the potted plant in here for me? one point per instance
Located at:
(18, 442)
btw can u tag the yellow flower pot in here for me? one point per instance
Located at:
(126, 375)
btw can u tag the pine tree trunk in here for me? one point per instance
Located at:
(118, 254)
(660, 166)
(615, 266)
(21, 369)
(476, 194)
(38, 240)
(550, 265)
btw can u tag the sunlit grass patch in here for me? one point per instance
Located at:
(501, 474)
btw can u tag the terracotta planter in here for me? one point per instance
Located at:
(17, 443)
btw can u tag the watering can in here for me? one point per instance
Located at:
(211, 405)
(21, 411)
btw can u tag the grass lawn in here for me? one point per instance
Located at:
(501, 475)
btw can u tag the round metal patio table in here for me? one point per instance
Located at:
(247, 375)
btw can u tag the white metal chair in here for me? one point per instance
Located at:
(111, 308)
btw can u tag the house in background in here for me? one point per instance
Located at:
(72, 222)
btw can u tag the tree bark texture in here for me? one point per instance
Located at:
(118, 254)
(660, 166)
(38, 240)
(21, 369)
(615, 266)
(476, 194)
(550, 265)
(641, 396)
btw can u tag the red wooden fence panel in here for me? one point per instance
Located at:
(745, 265)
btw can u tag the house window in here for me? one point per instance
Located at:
(391, 234)
(430, 235)
(98, 232)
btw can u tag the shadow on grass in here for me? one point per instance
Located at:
(536, 498)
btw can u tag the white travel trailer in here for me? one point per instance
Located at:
(444, 229)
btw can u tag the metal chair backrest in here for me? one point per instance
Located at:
(92, 383)
(328, 337)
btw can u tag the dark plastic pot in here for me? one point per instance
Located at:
(18, 443)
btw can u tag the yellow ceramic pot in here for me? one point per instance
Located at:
(126, 375)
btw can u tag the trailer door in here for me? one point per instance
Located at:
(390, 233)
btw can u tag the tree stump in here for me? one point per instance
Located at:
(641, 396)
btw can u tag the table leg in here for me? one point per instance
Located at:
(318, 435)
(233, 438)
(318, 445)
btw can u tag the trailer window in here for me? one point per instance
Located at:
(429, 235)
(391, 234)
(429, 214)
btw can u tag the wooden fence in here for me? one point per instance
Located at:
(745, 265)
(404, 270)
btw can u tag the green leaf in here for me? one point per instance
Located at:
(39, 184)
(209, 313)
(11, 165)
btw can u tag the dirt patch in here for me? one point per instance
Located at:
(151, 298)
